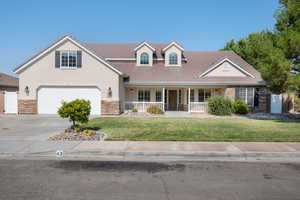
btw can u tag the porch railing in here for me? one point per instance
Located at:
(198, 107)
(141, 106)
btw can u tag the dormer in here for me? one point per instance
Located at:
(144, 54)
(173, 55)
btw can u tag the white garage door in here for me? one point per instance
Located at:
(49, 99)
(11, 102)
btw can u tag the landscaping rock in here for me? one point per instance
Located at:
(79, 136)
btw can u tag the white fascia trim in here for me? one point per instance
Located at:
(142, 44)
(171, 44)
(184, 83)
(59, 42)
(222, 61)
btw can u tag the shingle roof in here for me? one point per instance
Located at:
(196, 63)
(8, 81)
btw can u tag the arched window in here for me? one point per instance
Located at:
(173, 59)
(144, 58)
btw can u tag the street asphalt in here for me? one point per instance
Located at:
(75, 179)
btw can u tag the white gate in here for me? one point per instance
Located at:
(276, 103)
(11, 102)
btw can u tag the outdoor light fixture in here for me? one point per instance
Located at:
(27, 90)
(109, 92)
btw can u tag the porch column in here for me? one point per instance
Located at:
(189, 100)
(163, 99)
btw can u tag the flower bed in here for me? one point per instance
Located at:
(79, 135)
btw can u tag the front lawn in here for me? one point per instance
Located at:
(187, 129)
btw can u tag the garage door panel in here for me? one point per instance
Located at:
(50, 99)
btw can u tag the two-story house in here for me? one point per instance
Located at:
(117, 77)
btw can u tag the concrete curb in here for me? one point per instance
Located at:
(163, 156)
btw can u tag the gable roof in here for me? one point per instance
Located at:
(218, 63)
(120, 57)
(196, 63)
(57, 43)
(173, 44)
(120, 50)
(8, 81)
(144, 43)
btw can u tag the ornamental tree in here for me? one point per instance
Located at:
(78, 111)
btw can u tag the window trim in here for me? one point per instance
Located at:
(205, 91)
(161, 93)
(143, 90)
(148, 58)
(169, 59)
(68, 52)
(246, 95)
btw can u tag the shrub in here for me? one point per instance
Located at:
(154, 110)
(240, 107)
(220, 106)
(134, 110)
(78, 111)
(297, 104)
(88, 132)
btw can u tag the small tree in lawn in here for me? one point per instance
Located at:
(78, 111)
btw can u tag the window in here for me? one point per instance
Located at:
(173, 59)
(144, 59)
(192, 96)
(68, 59)
(158, 95)
(204, 95)
(144, 95)
(246, 95)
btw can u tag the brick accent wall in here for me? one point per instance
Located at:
(1, 102)
(230, 93)
(264, 101)
(27, 106)
(110, 107)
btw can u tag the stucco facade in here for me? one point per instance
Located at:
(226, 69)
(92, 73)
(118, 73)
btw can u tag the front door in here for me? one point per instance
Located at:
(172, 100)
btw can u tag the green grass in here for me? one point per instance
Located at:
(185, 129)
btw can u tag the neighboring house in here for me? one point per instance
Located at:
(120, 76)
(7, 84)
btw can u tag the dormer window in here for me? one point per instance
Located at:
(173, 54)
(144, 54)
(173, 60)
(144, 58)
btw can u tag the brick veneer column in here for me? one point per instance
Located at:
(110, 107)
(27, 106)
(1, 102)
(263, 99)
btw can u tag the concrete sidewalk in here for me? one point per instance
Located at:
(153, 150)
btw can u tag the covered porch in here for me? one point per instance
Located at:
(189, 99)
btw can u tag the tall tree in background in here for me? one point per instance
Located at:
(287, 28)
(276, 55)
(258, 49)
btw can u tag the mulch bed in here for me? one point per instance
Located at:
(79, 136)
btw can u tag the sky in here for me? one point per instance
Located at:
(28, 26)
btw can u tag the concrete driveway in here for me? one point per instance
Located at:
(30, 127)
